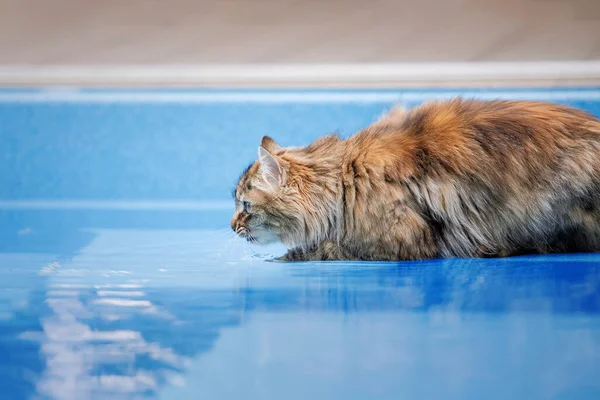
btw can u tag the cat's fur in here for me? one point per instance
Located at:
(459, 178)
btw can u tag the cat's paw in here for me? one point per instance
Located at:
(290, 256)
(276, 259)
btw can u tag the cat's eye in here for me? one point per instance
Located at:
(246, 205)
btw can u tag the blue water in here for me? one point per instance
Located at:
(119, 278)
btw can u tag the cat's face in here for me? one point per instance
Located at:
(265, 207)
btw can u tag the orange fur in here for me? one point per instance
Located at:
(459, 178)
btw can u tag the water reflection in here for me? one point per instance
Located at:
(84, 361)
(155, 313)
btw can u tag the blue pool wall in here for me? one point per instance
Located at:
(181, 145)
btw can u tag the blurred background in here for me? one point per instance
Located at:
(39, 39)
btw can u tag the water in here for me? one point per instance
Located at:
(106, 294)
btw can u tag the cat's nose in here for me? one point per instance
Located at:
(234, 224)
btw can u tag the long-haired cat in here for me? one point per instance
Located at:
(459, 178)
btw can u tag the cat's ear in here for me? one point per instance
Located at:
(271, 168)
(269, 144)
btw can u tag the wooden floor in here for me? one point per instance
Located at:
(175, 32)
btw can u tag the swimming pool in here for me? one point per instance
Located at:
(120, 278)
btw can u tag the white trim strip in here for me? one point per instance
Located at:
(307, 74)
(132, 205)
(275, 97)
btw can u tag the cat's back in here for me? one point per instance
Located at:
(471, 136)
(496, 120)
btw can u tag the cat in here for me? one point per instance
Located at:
(456, 178)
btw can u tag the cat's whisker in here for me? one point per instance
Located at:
(224, 240)
(251, 256)
(227, 245)
(223, 233)
(244, 246)
(236, 240)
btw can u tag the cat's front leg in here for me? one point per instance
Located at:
(327, 250)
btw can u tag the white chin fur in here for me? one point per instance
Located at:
(264, 237)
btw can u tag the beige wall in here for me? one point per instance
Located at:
(84, 32)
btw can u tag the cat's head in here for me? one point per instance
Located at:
(276, 198)
(260, 214)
